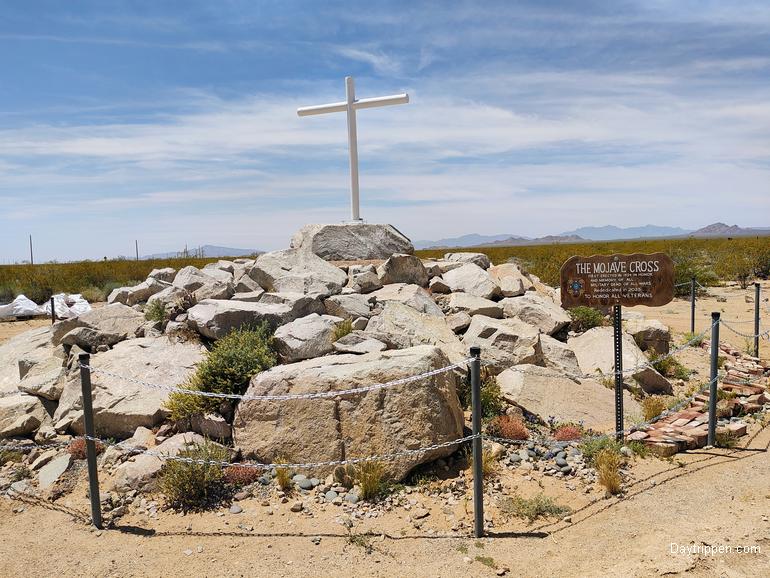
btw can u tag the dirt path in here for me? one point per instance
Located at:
(706, 498)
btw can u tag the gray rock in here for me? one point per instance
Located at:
(351, 498)
(536, 310)
(297, 271)
(212, 426)
(116, 320)
(166, 274)
(51, 472)
(650, 334)
(558, 355)
(301, 305)
(330, 496)
(472, 279)
(306, 337)
(360, 323)
(474, 305)
(400, 268)
(44, 378)
(364, 282)
(504, 342)
(215, 318)
(121, 406)
(252, 296)
(138, 293)
(479, 259)
(412, 295)
(20, 415)
(458, 322)
(437, 286)
(175, 300)
(235, 509)
(245, 284)
(352, 242)
(358, 342)
(511, 280)
(305, 484)
(348, 306)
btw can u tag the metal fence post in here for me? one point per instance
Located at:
(712, 436)
(478, 474)
(617, 327)
(756, 319)
(692, 305)
(53, 313)
(88, 421)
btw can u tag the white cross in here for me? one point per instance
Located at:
(350, 106)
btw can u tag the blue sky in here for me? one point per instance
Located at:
(175, 122)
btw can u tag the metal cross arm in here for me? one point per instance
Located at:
(350, 105)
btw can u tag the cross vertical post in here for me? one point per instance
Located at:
(350, 95)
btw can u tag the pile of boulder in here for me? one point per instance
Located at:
(338, 325)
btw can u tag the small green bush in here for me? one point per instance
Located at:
(653, 406)
(342, 329)
(371, 478)
(228, 367)
(694, 339)
(7, 456)
(532, 508)
(491, 397)
(585, 318)
(155, 311)
(670, 367)
(591, 448)
(93, 294)
(192, 486)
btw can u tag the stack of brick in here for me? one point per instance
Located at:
(688, 427)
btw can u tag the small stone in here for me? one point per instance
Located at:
(305, 484)
(316, 540)
(235, 509)
(420, 513)
(297, 507)
(351, 497)
(330, 496)
(561, 462)
(188, 552)
(626, 451)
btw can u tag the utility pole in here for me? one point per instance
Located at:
(136, 246)
(31, 256)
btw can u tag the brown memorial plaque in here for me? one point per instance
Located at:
(628, 280)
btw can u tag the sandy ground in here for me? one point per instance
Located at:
(706, 498)
(9, 329)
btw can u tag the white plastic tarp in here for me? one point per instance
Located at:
(65, 306)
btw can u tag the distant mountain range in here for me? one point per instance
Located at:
(606, 233)
(205, 251)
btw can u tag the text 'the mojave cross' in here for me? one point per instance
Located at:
(350, 106)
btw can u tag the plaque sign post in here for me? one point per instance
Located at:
(613, 281)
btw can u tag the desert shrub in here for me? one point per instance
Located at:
(8, 456)
(489, 464)
(531, 509)
(725, 439)
(93, 294)
(568, 432)
(592, 446)
(195, 486)
(228, 367)
(283, 475)
(508, 427)
(653, 406)
(640, 449)
(77, 448)
(585, 318)
(670, 367)
(695, 339)
(342, 329)
(491, 397)
(607, 463)
(21, 472)
(241, 475)
(371, 478)
(155, 311)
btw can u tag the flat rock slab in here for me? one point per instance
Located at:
(215, 318)
(297, 271)
(546, 392)
(51, 472)
(306, 337)
(536, 310)
(472, 279)
(352, 242)
(384, 421)
(412, 295)
(504, 342)
(20, 415)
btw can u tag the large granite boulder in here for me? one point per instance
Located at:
(470, 278)
(401, 326)
(22, 352)
(175, 300)
(166, 274)
(538, 311)
(215, 318)
(546, 392)
(43, 378)
(402, 268)
(504, 342)
(297, 271)
(384, 421)
(511, 280)
(358, 342)
(364, 281)
(351, 242)
(595, 354)
(299, 303)
(208, 284)
(412, 295)
(115, 322)
(306, 337)
(121, 406)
